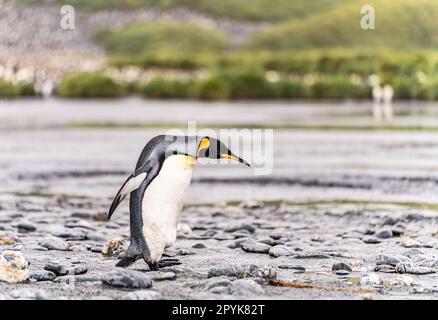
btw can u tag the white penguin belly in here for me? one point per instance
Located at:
(163, 201)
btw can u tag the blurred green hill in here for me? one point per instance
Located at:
(308, 50)
(255, 10)
(403, 24)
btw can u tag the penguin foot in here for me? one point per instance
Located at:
(132, 254)
(169, 262)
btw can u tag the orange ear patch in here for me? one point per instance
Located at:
(205, 143)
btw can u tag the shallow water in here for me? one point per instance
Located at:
(44, 149)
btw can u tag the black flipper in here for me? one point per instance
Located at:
(138, 247)
(132, 183)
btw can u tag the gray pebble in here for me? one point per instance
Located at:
(244, 271)
(124, 278)
(280, 251)
(384, 234)
(278, 235)
(371, 240)
(244, 287)
(391, 260)
(53, 243)
(42, 275)
(199, 246)
(161, 275)
(341, 266)
(255, 247)
(62, 269)
(70, 234)
(342, 272)
(26, 227)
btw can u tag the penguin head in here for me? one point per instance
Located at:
(212, 148)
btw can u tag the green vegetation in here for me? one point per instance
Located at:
(162, 37)
(160, 88)
(7, 89)
(313, 50)
(403, 24)
(255, 10)
(10, 90)
(90, 85)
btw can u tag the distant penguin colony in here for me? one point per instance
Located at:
(157, 191)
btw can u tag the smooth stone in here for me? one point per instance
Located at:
(143, 295)
(14, 267)
(161, 276)
(26, 227)
(199, 246)
(390, 221)
(125, 278)
(255, 247)
(290, 267)
(70, 234)
(384, 268)
(411, 243)
(404, 281)
(276, 235)
(414, 217)
(312, 255)
(42, 275)
(241, 226)
(403, 268)
(371, 240)
(391, 260)
(62, 269)
(271, 242)
(384, 234)
(244, 271)
(342, 272)
(53, 243)
(244, 288)
(280, 251)
(219, 290)
(341, 266)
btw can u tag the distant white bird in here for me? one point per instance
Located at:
(377, 94)
(388, 94)
(382, 106)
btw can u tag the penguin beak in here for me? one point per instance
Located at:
(233, 157)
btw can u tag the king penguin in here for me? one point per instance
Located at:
(157, 190)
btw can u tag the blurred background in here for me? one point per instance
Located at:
(354, 111)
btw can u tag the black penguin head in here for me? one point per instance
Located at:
(209, 147)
